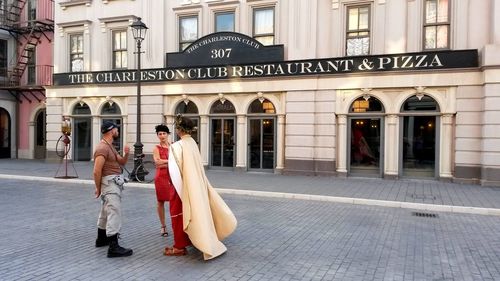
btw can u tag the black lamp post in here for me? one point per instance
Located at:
(139, 32)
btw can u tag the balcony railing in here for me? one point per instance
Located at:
(35, 75)
(44, 11)
(12, 18)
(38, 75)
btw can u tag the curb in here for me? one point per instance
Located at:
(324, 198)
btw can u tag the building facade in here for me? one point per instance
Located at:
(379, 88)
(27, 31)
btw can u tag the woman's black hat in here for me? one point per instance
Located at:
(162, 128)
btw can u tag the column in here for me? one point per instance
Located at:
(241, 143)
(95, 132)
(342, 145)
(170, 122)
(31, 140)
(496, 22)
(445, 146)
(204, 135)
(124, 131)
(280, 145)
(391, 147)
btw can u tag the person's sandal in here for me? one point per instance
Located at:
(163, 231)
(174, 252)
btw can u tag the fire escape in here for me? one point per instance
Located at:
(28, 22)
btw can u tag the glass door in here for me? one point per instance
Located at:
(419, 146)
(261, 145)
(365, 146)
(222, 142)
(82, 139)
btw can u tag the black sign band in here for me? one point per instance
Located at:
(396, 62)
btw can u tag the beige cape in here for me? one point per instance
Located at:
(207, 218)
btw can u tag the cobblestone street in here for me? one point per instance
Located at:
(48, 231)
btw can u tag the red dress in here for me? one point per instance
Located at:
(163, 184)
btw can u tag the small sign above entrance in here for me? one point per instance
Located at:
(225, 48)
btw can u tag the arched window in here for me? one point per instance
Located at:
(222, 108)
(110, 111)
(189, 110)
(82, 132)
(40, 134)
(261, 135)
(366, 141)
(5, 127)
(265, 107)
(81, 109)
(111, 108)
(222, 134)
(424, 103)
(420, 121)
(186, 108)
(369, 104)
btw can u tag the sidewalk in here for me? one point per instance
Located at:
(404, 193)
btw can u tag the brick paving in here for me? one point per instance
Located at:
(48, 231)
(403, 190)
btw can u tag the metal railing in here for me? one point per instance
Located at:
(35, 75)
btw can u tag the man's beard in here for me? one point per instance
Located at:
(115, 137)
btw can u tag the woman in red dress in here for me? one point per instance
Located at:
(163, 183)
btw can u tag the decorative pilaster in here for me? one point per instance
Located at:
(31, 134)
(280, 146)
(342, 144)
(391, 147)
(445, 146)
(96, 127)
(203, 134)
(241, 141)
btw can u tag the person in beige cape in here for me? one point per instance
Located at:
(206, 218)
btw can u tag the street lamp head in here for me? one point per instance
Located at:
(138, 29)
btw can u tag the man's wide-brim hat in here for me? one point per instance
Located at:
(108, 126)
(184, 123)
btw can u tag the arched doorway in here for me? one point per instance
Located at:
(82, 132)
(222, 134)
(366, 136)
(111, 112)
(5, 127)
(189, 110)
(261, 135)
(419, 137)
(40, 135)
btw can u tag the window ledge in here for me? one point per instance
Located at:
(190, 7)
(189, 2)
(107, 1)
(74, 23)
(69, 3)
(214, 3)
(118, 18)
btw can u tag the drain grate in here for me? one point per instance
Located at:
(425, 215)
(423, 197)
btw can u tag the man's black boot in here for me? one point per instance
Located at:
(115, 250)
(102, 239)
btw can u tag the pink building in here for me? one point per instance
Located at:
(26, 67)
